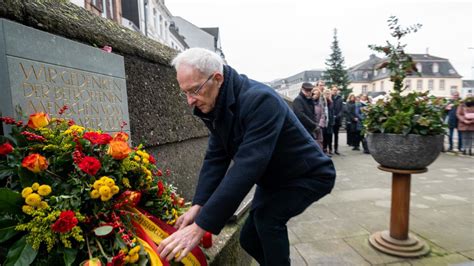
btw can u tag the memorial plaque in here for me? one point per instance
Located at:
(42, 72)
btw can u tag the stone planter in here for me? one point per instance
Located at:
(408, 152)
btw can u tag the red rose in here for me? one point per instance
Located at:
(161, 188)
(66, 221)
(97, 138)
(6, 148)
(152, 159)
(90, 165)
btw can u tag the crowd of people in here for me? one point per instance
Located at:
(322, 111)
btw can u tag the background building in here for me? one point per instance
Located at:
(438, 76)
(290, 86)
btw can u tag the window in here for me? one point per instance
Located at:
(408, 84)
(419, 68)
(155, 20)
(435, 68)
(430, 85)
(366, 74)
(364, 89)
(373, 87)
(97, 4)
(454, 89)
(384, 70)
(419, 84)
(441, 84)
(381, 86)
(375, 72)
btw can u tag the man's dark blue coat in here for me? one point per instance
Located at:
(252, 126)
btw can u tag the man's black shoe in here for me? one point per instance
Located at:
(337, 153)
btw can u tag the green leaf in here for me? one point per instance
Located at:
(69, 256)
(7, 229)
(10, 201)
(103, 230)
(26, 176)
(21, 253)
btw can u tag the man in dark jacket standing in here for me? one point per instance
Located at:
(338, 113)
(303, 106)
(451, 109)
(252, 126)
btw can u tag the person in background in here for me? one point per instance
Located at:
(364, 101)
(452, 119)
(319, 116)
(350, 116)
(253, 127)
(465, 115)
(328, 110)
(303, 107)
(338, 113)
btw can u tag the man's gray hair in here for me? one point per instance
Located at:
(205, 61)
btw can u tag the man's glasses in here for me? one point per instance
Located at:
(195, 92)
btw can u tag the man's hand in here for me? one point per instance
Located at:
(181, 242)
(188, 217)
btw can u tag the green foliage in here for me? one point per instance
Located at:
(21, 253)
(335, 73)
(414, 113)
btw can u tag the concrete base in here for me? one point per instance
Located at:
(408, 248)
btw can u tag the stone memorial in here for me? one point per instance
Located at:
(42, 72)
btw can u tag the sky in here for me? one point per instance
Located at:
(272, 39)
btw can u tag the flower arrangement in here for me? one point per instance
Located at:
(413, 113)
(70, 194)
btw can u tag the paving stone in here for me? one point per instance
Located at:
(362, 246)
(469, 254)
(315, 212)
(441, 261)
(329, 252)
(316, 230)
(296, 258)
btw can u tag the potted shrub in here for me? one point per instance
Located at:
(405, 130)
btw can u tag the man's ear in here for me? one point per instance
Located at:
(219, 77)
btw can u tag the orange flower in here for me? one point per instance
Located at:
(121, 136)
(119, 149)
(35, 163)
(38, 120)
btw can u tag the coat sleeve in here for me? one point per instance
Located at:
(460, 114)
(263, 120)
(307, 121)
(214, 167)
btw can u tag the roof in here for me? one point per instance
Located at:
(468, 83)
(213, 31)
(365, 71)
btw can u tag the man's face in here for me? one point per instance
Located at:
(335, 91)
(455, 96)
(307, 93)
(200, 90)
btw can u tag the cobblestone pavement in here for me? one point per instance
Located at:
(335, 230)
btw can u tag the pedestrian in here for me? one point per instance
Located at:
(319, 116)
(329, 123)
(452, 120)
(351, 120)
(252, 126)
(338, 114)
(303, 107)
(465, 115)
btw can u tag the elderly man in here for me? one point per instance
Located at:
(252, 126)
(303, 106)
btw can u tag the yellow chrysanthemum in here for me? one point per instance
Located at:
(140, 153)
(27, 209)
(26, 191)
(35, 186)
(110, 182)
(95, 194)
(145, 155)
(136, 158)
(114, 189)
(33, 199)
(105, 197)
(104, 178)
(98, 184)
(44, 190)
(104, 190)
(74, 128)
(145, 161)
